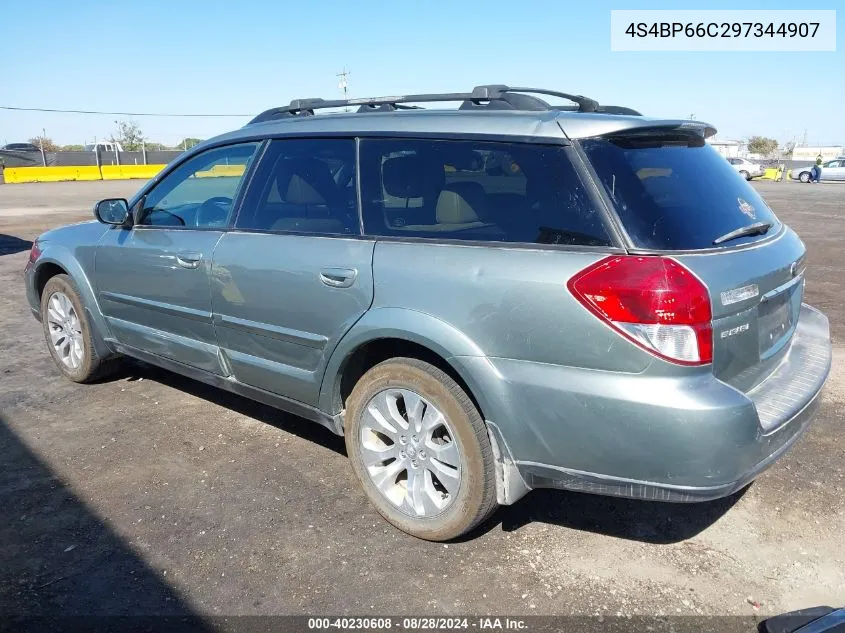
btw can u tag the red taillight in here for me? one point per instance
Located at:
(655, 302)
(34, 253)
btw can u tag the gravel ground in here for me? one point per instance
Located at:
(153, 494)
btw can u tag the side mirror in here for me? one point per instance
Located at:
(112, 211)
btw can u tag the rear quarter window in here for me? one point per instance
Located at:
(675, 192)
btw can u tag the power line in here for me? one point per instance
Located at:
(160, 114)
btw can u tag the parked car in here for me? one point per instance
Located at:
(20, 147)
(831, 170)
(808, 620)
(598, 316)
(746, 168)
(104, 146)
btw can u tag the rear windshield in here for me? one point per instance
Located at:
(675, 192)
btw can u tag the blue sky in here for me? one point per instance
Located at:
(245, 56)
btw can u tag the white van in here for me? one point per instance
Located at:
(104, 146)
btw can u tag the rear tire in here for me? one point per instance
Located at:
(804, 176)
(68, 332)
(430, 470)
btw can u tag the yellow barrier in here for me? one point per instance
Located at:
(771, 173)
(124, 172)
(221, 170)
(50, 174)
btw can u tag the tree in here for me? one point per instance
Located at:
(762, 145)
(188, 143)
(129, 135)
(48, 144)
(72, 148)
(789, 148)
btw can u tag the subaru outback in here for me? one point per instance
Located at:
(505, 296)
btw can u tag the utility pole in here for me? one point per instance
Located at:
(343, 84)
(41, 145)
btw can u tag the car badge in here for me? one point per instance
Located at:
(746, 208)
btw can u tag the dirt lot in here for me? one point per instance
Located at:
(150, 493)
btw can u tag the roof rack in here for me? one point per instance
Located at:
(493, 97)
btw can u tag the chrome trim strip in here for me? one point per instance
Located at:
(784, 286)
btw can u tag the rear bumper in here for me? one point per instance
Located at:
(547, 476)
(655, 437)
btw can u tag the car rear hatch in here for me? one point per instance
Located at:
(676, 197)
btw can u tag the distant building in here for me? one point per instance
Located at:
(728, 149)
(809, 153)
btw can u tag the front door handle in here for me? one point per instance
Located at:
(338, 277)
(189, 260)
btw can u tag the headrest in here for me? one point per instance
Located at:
(300, 192)
(412, 176)
(453, 208)
(309, 181)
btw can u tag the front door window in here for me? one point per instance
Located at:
(200, 192)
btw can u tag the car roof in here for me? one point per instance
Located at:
(491, 111)
(522, 125)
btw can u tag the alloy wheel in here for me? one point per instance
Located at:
(410, 452)
(65, 331)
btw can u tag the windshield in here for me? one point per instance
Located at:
(673, 191)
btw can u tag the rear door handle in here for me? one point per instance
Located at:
(338, 277)
(189, 259)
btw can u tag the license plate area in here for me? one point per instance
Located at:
(774, 320)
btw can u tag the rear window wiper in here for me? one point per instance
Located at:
(758, 228)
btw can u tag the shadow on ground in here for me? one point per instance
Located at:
(646, 521)
(306, 429)
(9, 244)
(632, 519)
(59, 560)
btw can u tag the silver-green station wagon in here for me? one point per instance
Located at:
(485, 300)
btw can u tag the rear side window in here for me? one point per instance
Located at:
(304, 186)
(467, 190)
(674, 192)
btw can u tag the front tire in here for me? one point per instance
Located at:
(68, 332)
(745, 174)
(804, 176)
(420, 449)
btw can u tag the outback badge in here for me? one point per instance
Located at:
(739, 294)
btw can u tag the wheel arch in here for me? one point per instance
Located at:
(57, 261)
(389, 332)
(44, 273)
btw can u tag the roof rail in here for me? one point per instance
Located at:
(494, 96)
(603, 109)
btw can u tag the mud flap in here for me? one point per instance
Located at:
(510, 486)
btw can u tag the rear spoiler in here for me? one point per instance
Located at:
(697, 128)
(590, 125)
